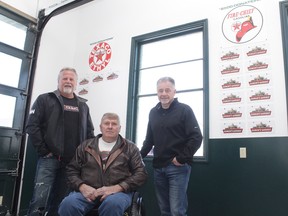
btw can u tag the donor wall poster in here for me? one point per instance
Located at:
(249, 79)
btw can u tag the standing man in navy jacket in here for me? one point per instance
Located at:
(58, 122)
(175, 134)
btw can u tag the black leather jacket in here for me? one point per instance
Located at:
(124, 166)
(45, 124)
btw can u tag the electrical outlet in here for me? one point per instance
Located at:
(1, 200)
(243, 152)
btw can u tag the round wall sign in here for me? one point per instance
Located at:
(242, 24)
(100, 56)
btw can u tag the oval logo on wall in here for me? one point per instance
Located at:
(242, 24)
(100, 56)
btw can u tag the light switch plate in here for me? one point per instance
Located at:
(243, 152)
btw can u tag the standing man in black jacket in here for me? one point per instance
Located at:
(57, 123)
(175, 134)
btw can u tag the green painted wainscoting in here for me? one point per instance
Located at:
(227, 185)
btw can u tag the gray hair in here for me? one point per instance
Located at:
(110, 116)
(67, 69)
(164, 79)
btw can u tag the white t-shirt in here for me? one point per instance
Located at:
(105, 146)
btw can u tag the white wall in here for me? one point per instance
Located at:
(96, 21)
(32, 7)
(69, 38)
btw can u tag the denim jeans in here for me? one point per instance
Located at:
(112, 205)
(171, 185)
(50, 186)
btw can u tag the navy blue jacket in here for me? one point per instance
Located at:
(174, 132)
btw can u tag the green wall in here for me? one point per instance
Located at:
(224, 186)
(229, 186)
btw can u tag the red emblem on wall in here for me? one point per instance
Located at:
(100, 56)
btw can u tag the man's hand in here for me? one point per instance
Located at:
(88, 192)
(49, 155)
(176, 163)
(104, 191)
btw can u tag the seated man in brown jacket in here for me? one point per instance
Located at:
(104, 171)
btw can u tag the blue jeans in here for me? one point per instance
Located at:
(75, 204)
(50, 187)
(171, 185)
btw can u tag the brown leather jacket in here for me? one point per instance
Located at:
(124, 166)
